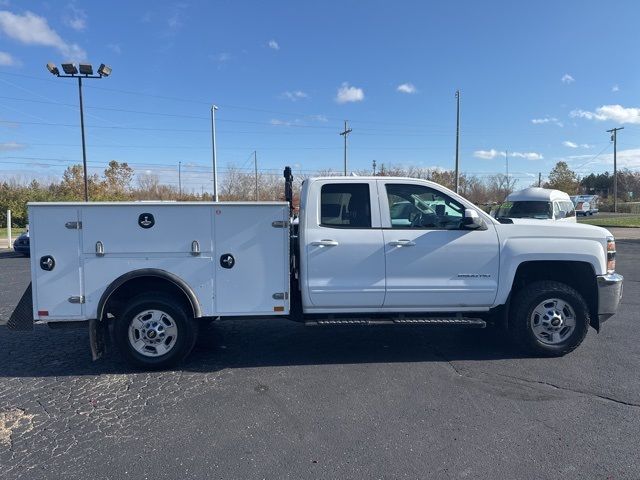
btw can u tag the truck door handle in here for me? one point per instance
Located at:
(325, 243)
(402, 243)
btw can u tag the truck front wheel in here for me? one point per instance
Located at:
(548, 318)
(154, 332)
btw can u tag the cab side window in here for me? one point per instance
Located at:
(345, 205)
(419, 206)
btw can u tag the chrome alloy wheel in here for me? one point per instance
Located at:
(153, 333)
(553, 321)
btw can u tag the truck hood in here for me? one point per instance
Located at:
(525, 227)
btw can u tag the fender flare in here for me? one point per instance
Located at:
(149, 272)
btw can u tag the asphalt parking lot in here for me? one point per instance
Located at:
(273, 399)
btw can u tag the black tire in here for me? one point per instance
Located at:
(522, 306)
(187, 331)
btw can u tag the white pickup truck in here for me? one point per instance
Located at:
(364, 250)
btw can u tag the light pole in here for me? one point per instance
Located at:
(213, 152)
(84, 70)
(457, 180)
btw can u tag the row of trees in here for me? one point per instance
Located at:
(118, 183)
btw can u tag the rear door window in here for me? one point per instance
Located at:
(345, 205)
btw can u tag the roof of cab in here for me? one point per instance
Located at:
(537, 194)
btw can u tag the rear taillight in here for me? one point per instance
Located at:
(611, 255)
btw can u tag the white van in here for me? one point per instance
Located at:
(538, 203)
(585, 204)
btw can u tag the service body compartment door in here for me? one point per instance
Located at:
(146, 227)
(251, 259)
(56, 287)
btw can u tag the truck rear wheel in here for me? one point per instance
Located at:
(154, 331)
(548, 318)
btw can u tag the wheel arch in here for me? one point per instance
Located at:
(146, 279)
(579, 275)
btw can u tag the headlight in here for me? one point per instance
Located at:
(611, 255)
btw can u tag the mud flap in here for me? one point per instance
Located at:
(22, 316)
(98, 338)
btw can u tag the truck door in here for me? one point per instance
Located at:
(430, 261)
(343, 246)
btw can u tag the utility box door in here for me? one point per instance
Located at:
(146, 227)
(256, 279)
(50, 238)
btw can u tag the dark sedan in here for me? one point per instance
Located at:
(21, 244)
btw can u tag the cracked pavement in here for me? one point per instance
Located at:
(272, 399)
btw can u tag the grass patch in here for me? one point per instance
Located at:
(15, 232)
(630, 221)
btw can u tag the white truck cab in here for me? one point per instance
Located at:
(366, 250)
(538, 203)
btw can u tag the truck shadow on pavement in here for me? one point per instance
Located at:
(257, 343)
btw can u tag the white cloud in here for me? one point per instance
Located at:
(570, 144)
(487, 154)
(273, 45)
(222, 57)
(629, 158)
(8, 146)
(347, 93)
(615, 113)
(32, 29)
(76, 19)
(280, 123)
(7, 60)
(319, 118)
(615, 88)
(407, 88)
(294, 95)
(542, 121)
(493, 153)
(566, 78)
(175, 21)
(527, 155)
(115, 48)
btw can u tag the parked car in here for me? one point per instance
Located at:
(538, 203)
(585, 204)
(22, 244)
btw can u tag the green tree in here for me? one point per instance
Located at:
(117, 180)
(563, 178)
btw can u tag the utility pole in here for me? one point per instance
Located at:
(457, 183)
(539, 179)
(213, 152)
(506, 159)
(179, 180)
(345, 133)
(255, 166)
(374, 168)
(614, 139)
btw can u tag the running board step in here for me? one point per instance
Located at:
(461, 321)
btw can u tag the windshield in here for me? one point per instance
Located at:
(540, 210)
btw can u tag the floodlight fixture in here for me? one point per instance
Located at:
(86, 69)
(69, 68)
(104, 70)
(53, 69)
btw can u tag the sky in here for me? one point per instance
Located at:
(542, 81)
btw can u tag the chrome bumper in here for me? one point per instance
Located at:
(609, 295)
